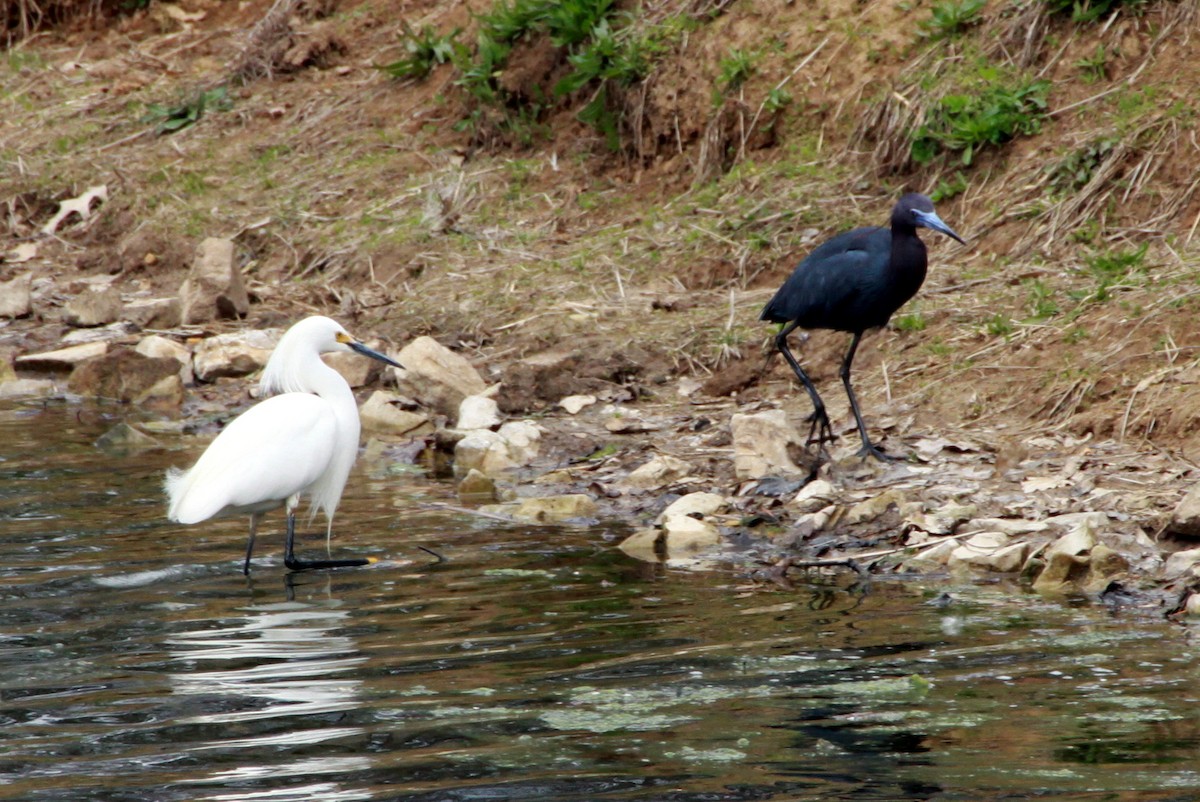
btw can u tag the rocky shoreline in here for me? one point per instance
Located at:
(701, 481)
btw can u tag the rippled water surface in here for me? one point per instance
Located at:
(137, 663)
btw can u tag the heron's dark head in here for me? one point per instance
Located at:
(916, 210)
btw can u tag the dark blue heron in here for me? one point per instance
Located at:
(854, 282)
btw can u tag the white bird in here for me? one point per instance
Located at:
(301, 442)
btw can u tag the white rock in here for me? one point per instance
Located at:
(687, 536)
(513, 446)
(156, 346)
(760, 442)
(354, 368)
(478, 412)
(20, 388)
(813, 496)
(237, 353)
(93, 307)
(381, 415)
(16, 296)
(213, 287)
(63, 358)
(436, 376)
(691, 505)
(1182, 562)
(554, 509)
(657, 472)
(574, 403)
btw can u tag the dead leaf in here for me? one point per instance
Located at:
(81, 206)
(22, 253)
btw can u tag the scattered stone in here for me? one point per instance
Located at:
(213, 287)
(813, 496)
(118, 330)
(237, 353)
(691, 505)
(622, 420)
(646, 545)
(1105, 565)
(760, 442)
(573, 404)
(937, 554)
(513, 446)
(659, 471)
(63, 359)
(436, 376)
(16, 296)
(383, 414)
(166, 348)
(1182, 562)
(1191, 607)
(154, 313)
(1185, 520)
(129, 377)
(477, 488)
(1009, 526)
(28, 388)
(123, 438)
(991, 551)
(548, 509)
(944, 520)
(478, 412)
(356, 369)
(872, 508)
(93, 307)
(686, 536)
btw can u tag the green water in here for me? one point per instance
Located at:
(137, 663)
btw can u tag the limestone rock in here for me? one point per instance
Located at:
(477, 488)
(937, 554)
(1105, 564)
(26, 388)
(1182, 562)
(573, 404)
(657, 472)
(436, 376)
(1185, 520)
(943, 520)
(118, 330)
(515, 445)
(381, 414)
(554, 509)
(153, 313)
(127, 376)
(356, 369)
(813, 496)
(991, 551)
(645, 545)
(871, 508)
(16, 296)
(1009, 526)
(93, 307)
(237, 353)
(686, 536)
(692, 505)
(760, 442)
(62, 359)
(165, 348)
(478, 412)
(213, 287)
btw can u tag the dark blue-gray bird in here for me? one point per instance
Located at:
(854, 282)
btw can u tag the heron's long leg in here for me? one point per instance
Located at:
(868, 448)
(289, 556)
(255, 517)
(819, 418)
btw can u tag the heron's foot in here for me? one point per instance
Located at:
(872, 450)
(819, 431)
(312, 565)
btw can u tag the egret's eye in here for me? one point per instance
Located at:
(343, 338)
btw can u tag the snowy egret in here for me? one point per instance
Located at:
(300, 442)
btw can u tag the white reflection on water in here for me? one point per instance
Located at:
(294, 654)
(285, 661)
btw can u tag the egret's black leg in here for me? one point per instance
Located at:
(819, 417)
(289, 557)
(868, 449)
(254, 519)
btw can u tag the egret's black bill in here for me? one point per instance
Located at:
(365, 351)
